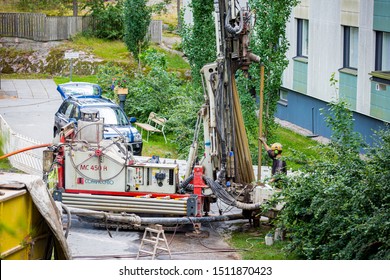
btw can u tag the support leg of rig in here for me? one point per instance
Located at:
(197, 232)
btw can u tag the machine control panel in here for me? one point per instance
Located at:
(152, 177)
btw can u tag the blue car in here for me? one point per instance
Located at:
(79, 95)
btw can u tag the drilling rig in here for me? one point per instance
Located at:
(96, 174)
(226, 157)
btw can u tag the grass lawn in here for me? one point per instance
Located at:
(174, 61)
(156, 146)
(31, 76)
(296, 147)
(251, 242)
(104, 49)
(169, 18)
(75, 78)
(4, 163)
(292, 143)
(116, 51)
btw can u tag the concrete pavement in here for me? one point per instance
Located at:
(28, 106)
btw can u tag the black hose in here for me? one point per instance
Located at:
(227, 198)
(236, 29)
(69, 218)
(189, 220)
(186, 181)
(134, 219)
(185, 185)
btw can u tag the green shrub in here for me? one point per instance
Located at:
(108, 19)
(339, 207)
(157, 90)
(153, 58)
(198, 40)
(4, 163)
(137, 16)
(108, 74)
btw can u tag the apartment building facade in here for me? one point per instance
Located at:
(346, 39)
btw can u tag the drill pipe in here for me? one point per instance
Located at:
(134, 219)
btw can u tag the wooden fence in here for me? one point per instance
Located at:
(39, 27)
(155, 31)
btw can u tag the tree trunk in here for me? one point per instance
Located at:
(75, 8)
(139, 59)
(178, 15)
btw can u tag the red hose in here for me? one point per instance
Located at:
(24, 149)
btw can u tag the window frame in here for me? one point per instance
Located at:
(347, 52)
(63, 108)
(69, 111)
(379, 51)
(283, 97)
(302, 43)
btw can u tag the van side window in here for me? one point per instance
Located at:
(63, 108)
(76, 113)
(69, 110)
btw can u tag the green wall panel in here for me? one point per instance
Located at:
(380, 103)
(300, 77)
(382, 15)
(348, 88)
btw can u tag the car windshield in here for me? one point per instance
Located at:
(80, 89)
(112, 116)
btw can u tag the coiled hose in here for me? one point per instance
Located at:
(185, 185)
(236, 29)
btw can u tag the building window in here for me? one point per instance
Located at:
(382, 51)
(351, 40)
(303, 37)
(283, 97)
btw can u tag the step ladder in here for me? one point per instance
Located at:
(151, 240)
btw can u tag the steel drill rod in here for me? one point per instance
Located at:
(122, 198)
(134, 219)
(132, 209)
(245, 162)
(135, 201)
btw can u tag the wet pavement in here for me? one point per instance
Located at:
(28, 106)
(206, 243)
(88, 242)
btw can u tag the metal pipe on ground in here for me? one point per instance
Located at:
(131, 209)
(128, 205)
(134, 219)
(125, 204)
(121, 199)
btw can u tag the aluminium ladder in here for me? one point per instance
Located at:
(151, 238)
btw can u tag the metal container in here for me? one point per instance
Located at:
(269, 240)
(24, 234)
